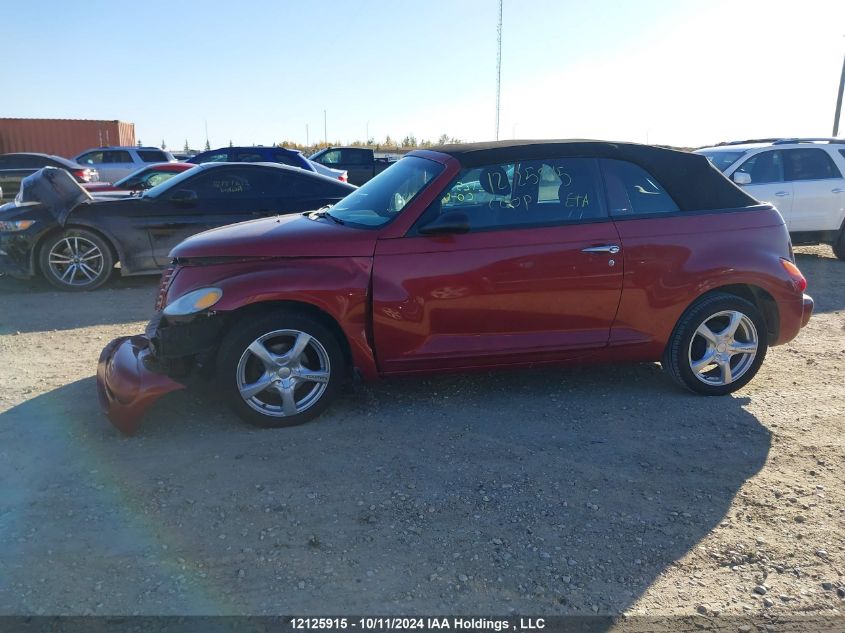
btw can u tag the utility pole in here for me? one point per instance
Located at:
(839, 100)
(206, 133)
(498, 68)
(325, 129)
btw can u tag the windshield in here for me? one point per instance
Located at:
(723, 159)
(159, 189)
(383, 198)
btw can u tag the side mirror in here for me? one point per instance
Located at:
(742, 178)
(187, 197)
(453, 222)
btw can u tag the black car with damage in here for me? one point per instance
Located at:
(56, 229)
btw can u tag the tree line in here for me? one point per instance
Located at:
(389, 144)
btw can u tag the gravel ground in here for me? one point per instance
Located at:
(595, 490)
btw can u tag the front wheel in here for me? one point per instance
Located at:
(76, 259)
(717, 346)
(281, 369)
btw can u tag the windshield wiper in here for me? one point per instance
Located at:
(323, 212)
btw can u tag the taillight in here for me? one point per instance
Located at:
(163, 286)
(798, 280)
(86, 175)
(343, 178)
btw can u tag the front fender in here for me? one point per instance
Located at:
(337, 286)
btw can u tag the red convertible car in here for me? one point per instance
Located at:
(473, 257)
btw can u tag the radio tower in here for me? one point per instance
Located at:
(498, 67)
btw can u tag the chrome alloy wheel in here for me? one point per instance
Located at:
(76, 261)
(283, 373)
(723, 348)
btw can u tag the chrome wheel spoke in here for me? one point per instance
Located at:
(268, 358)
(69, 269)
(707, 333)
(733, 324)
(708, 359)
(308, 375)
(58, 258)
(740, 347)
(84, 270)
(725, 367)
(299, 345)
(248, 391)
(288, 400)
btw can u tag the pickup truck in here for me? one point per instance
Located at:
(634, 253)
(361, 163)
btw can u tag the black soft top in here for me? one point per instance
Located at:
(690, 179)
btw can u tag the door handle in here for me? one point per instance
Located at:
(606, 248)
(837, 190)
(781, 194)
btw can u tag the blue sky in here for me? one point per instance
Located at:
(684, 72)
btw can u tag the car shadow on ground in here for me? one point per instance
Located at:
(122, 300)
(538, 492)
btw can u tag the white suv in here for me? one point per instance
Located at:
(114, 163)
(803, 178)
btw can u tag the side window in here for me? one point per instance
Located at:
(248, 156)
(286, 159)
(36, 161)
(117, 156)
(158, 177)
(764, 167)
(353, 157)
(152, 156)
(331, 158)
(91, 158)
(217, 157)
(222, 183)
(631, 190)
(810, 164)
(524, 194)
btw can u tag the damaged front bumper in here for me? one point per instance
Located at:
(126, 384)
(135, 371)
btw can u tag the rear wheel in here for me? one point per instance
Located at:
(839, 245)
(717, 346)
(76, 259)
(281, 369)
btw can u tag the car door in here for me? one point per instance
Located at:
(767, 180)
(534, 278)
(217, 196)
(818, 190)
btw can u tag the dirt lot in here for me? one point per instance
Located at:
(575, 491)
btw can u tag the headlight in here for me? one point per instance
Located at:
(10, 226)
(193, 302)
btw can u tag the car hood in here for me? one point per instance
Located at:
(295, 235)
(55, 189)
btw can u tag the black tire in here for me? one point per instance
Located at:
(682, 350)
(238, 367)
(75, 260)
(839, 245)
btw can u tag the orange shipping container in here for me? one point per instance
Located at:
(63, 137)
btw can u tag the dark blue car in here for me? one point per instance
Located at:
(258, 154)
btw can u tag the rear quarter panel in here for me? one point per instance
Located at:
(671, 261)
